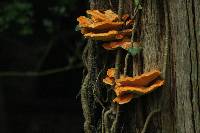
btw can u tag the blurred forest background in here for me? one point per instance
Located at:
(39, 36)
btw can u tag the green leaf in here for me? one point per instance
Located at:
(134, 50)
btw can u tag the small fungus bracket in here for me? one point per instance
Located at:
(127, 88)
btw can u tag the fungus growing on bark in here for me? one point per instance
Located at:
(114, 45)
(141, 80)
(108, 80)
(124, 98)
(127, 88)
(98, 16)
(110, 35)
(84, 21)
(140, 90)
(110, 76)
(104, 25)
(125, 44)
(111, 72)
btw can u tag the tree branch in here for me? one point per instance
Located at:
(42, 73)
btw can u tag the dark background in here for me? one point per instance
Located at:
(38, 36)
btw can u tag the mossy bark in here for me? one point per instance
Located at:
(171, 43)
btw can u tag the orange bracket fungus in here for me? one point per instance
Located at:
(104, 25)
(110, 76)
(125, 44)
(127, 88)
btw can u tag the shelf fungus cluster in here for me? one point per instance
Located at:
(127, 88)
(105, 26)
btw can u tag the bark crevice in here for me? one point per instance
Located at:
(196, 47)
(194, 67)
(190, 57)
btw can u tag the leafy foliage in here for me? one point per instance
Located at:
(18, 16)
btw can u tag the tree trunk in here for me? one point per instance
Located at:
(171, 43)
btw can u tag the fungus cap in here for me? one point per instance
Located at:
(119, 90)
(123, 98)
(141, 80)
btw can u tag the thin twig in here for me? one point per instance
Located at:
(135, 11)
(134, 33)
(95, 88)
(117, 63)
(111, 6)
(102, 120)
(106, 121)
(120, 9)
(46, 52)
(148, 119)
(99, 101)
(126, 64)
(42, 73)
(122, 128)
(117, 68)
(84, 56)
(114, 125)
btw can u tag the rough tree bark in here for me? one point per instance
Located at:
(171, 43)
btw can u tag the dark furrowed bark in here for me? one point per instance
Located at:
(181, 109)
(171, 43)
